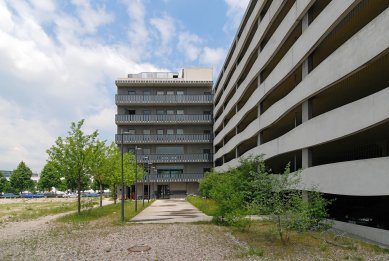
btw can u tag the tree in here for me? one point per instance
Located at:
(98, 166)
(113, 169)
(72, 156)
(20, 178)
(50, 177)
(3, 183)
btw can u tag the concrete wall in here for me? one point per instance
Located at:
(373, 234)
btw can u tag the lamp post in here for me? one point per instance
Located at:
(122, 169)
(143, 180)
(136, 177)
(148, 185)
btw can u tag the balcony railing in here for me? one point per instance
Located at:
(174, 158)
(175, 138)
(163, 119)
(162, 99)
(183, 177)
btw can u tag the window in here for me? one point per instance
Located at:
(207, 112)
(132, 132)
(146, 132)
(180, 92)
(131, 112)
(131, 92)
(180, 131)
(146, 151)
(181, 112)
(206, 151)
(207, 132)
(170, 131)
(160, 93)
(160, 112)
(146, 93)
(146, 112)
(170, 150)
(160, 132)
(170, 112)
(170, 92)
(207, 93)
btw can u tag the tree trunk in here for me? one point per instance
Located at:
(79, 194)
(101, 194)
(114, 194)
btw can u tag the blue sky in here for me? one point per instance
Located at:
(59, 60)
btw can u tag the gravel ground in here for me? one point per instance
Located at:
(166, 242)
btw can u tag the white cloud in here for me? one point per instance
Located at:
(189, 45)
(213, 56)
(49, 81)
(235, 11)
(166, 28)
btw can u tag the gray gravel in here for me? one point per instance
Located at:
(167, 242)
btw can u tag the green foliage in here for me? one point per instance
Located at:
(20, 178)
(3, 183)
(252, 188)
(50, 177)
(72, 157)
(208, 206)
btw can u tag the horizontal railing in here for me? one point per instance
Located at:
(142, 158)
(168, 138)
(175, 118)
(163, 99)
(182, 177)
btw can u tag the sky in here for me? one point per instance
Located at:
(59, 60)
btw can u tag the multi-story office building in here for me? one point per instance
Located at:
(168, 116)
(307, 82)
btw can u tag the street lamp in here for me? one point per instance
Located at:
(136, 177)
(143, 180)
(121, 147)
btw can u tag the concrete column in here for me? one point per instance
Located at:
(306, 110)
(305, 22)
(236, 153)
(306, 159)
(259, 138)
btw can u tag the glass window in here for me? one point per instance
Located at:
(146, 132)
(160, 112)
(131, 92)
(146, 151)
(146, 92)
(160, 93)
(207, 93)
(207, 132)
(180, 131)
(170, 112)
(146, 112)
(207, 112)
(160, 132)
(131, 132)
(180, 92)
(169, 131)
(181, 112)
(131, 112)
(170, 92)
(170, 150)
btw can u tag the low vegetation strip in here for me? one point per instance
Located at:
(111, 211)
(28, 210)
(207, 206)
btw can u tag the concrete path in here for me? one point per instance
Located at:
(170, 211)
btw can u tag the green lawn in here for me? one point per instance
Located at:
(112, 212)
(207, 206)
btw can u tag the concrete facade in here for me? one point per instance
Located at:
(305, 82)
(168, 117)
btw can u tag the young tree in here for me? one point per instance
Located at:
(72, 156)
(97, 168)
(21, 178)
(3, 182)
(50, 177)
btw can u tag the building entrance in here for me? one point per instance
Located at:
(163, 191)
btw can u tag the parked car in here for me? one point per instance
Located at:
(10, 195)
(91, 194)
(50, 195)
(70, 195)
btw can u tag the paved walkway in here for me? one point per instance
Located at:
(170, 211)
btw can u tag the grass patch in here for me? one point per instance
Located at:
(207, 206)
(262, 235)
(111, 211)
(28, 210)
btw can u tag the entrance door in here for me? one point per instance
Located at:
(163, 191)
